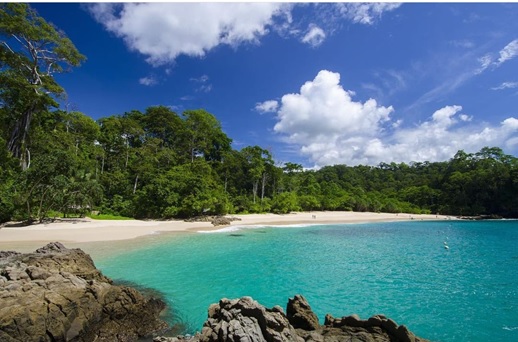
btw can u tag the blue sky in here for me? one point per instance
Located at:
(318, 84)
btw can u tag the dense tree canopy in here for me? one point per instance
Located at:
(161, 164)
(31, 52)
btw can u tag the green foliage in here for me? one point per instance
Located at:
(31, 52)
(108, 217)
(285, 203)
(160, 164)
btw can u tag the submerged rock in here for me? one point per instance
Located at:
(57, 294)
(246, 320)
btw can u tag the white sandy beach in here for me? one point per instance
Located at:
(87, 230)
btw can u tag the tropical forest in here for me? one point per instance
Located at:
(159, 164)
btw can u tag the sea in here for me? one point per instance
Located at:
(445, 280)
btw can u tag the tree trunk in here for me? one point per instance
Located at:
(127, 154)
(226, 181)
(28, 158)
(135, 185)
(17, 143)
(254, 189)
(265, 176)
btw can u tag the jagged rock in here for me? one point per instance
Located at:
(215, 220)
(300, 315)
(246, 320)
(220, 221)
(376, 328)
(57, 294)
(5, 254)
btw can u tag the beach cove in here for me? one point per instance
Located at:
(83, 231)
(395, 265)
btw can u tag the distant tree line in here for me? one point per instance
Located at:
(160, 164)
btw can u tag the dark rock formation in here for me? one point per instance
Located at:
(300, 314)
(57, 294)
(246, 320)
(481, 217)
(215, 220)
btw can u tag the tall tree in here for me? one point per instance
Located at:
(204, 135)
(259, 163)
(31, 52)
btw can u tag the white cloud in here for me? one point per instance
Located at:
(148, 81)
(508, 52)
(314, 36)
(510, 123)
(465, 117)
(365, 13)
(201, 79)
(329, 127)
(202, 83)
(267, 106)
(163, 31)
(485, 61)
(506, 85)
(464, 43)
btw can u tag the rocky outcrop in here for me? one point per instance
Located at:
(215, 220)
(57, 294)
(246, 320)
(300, 314)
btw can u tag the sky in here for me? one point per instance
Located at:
(314, 83)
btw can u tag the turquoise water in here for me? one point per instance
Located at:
(468, 292)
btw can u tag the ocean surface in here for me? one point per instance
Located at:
(466, 292)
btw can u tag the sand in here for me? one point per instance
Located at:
(81, 231)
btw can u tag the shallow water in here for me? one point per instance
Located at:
(468, 292)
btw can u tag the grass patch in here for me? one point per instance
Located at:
(109, 217)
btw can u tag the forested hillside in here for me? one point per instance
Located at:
(163, 164)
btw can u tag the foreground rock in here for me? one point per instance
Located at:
(57, 294)
(246, 320)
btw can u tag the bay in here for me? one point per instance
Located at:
(465, 292)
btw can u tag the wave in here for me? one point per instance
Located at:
(249, 227)
(509, 328)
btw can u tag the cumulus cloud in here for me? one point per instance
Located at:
(163, 31)
(267, 106)
(314, 36)
(148, 81)
(365, 13)
(329, 127)
(506, 85)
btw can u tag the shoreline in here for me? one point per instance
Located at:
(83, 231)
